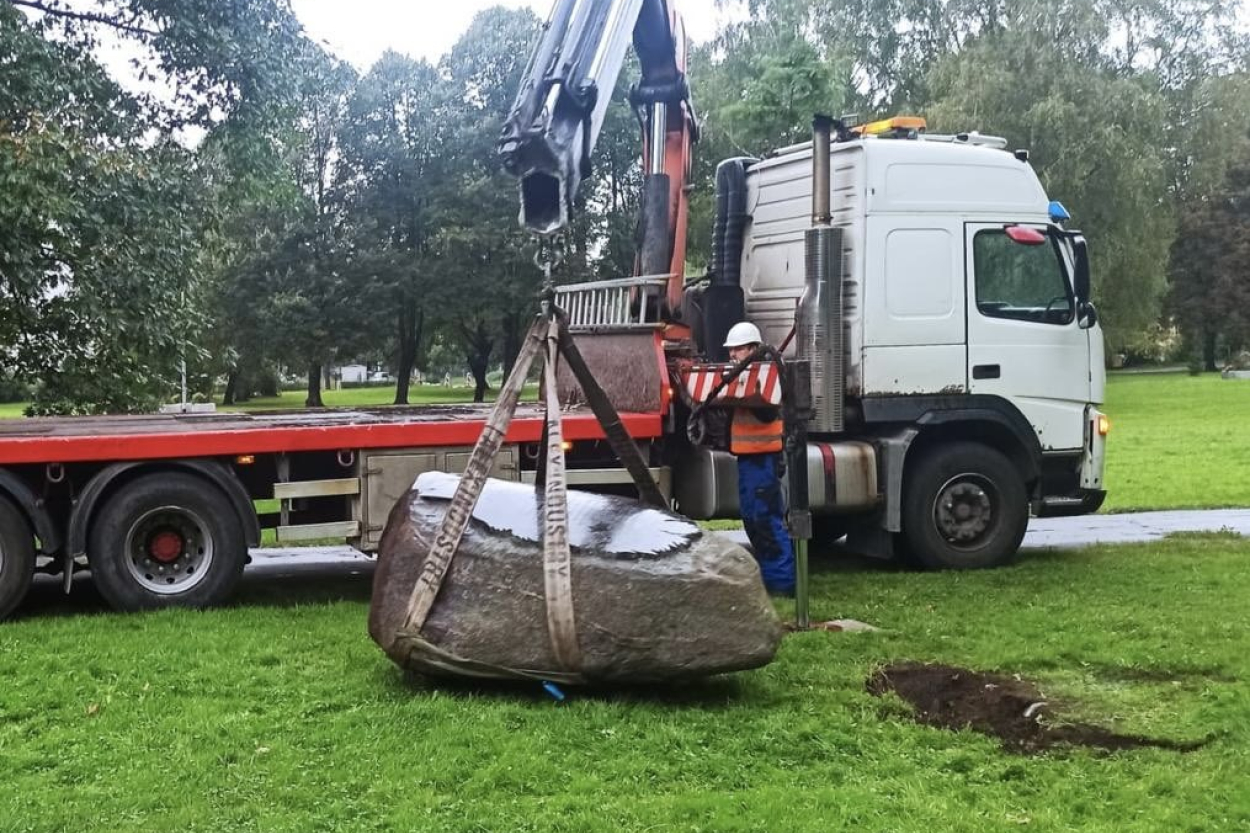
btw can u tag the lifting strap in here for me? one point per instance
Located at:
(557, 560)
(550, 333)
(481, 459)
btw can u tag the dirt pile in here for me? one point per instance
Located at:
(1008, 708)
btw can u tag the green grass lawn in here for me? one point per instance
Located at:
(279, 714)
(1177, 441)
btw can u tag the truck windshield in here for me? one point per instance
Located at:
(1019, 281)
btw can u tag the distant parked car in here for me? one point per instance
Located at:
(353, 373)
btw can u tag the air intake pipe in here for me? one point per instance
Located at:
(819, 334)
(722, 301)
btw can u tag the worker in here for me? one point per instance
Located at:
(756, 438)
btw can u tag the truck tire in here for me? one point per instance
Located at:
(964, 507)
(17, 557)
(166, 540)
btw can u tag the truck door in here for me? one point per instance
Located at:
(1024, 343)
(913, 306)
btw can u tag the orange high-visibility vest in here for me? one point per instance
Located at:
(750, 435)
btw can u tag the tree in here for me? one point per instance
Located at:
(393, 149)
(757, 85)
(1095, 139)
(108, 238)
(317, 310)
(97, 232)
(1210, 268)
(488, 291)
(99, 271)
(218, 57)
(247, 163)
(313, 309)
(1216, 132)
(892, 43)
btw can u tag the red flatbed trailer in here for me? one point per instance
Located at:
(162, 506)
(67, 440)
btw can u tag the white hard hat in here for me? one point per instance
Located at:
(743, 333)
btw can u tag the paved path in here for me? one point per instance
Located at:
(1131, 527)
(1044, 533)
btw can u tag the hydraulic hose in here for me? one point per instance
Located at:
(696, 426)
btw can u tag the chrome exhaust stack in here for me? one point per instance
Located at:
(819, 336)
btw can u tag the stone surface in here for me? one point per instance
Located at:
(654, 597)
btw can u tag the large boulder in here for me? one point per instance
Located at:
(654, 598)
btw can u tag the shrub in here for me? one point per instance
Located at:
(13, 389)
(268, 382)
(1158, 344)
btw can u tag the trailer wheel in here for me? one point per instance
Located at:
(17, 557)
(964, 507)
(166, 540)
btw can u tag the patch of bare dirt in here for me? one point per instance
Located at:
(1008, 708)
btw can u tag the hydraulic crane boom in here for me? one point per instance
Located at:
(550, 135)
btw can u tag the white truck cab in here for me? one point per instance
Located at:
(939, 308)
(937, 299)
(973, 359)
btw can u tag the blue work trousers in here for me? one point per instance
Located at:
(763, 514)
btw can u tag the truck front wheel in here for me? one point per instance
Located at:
(964, 507)
(17, 557)
(166, 540)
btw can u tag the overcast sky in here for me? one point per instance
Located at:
(361, 30)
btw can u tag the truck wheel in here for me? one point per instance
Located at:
(17, 557)
(964, 507)
(166, 540)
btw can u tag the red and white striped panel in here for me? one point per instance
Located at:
(759, 382)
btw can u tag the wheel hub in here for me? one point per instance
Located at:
(170, 549)
(964, 511)
(166, 546)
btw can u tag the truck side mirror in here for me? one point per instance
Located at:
(1086, 314)
(1080, 280)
